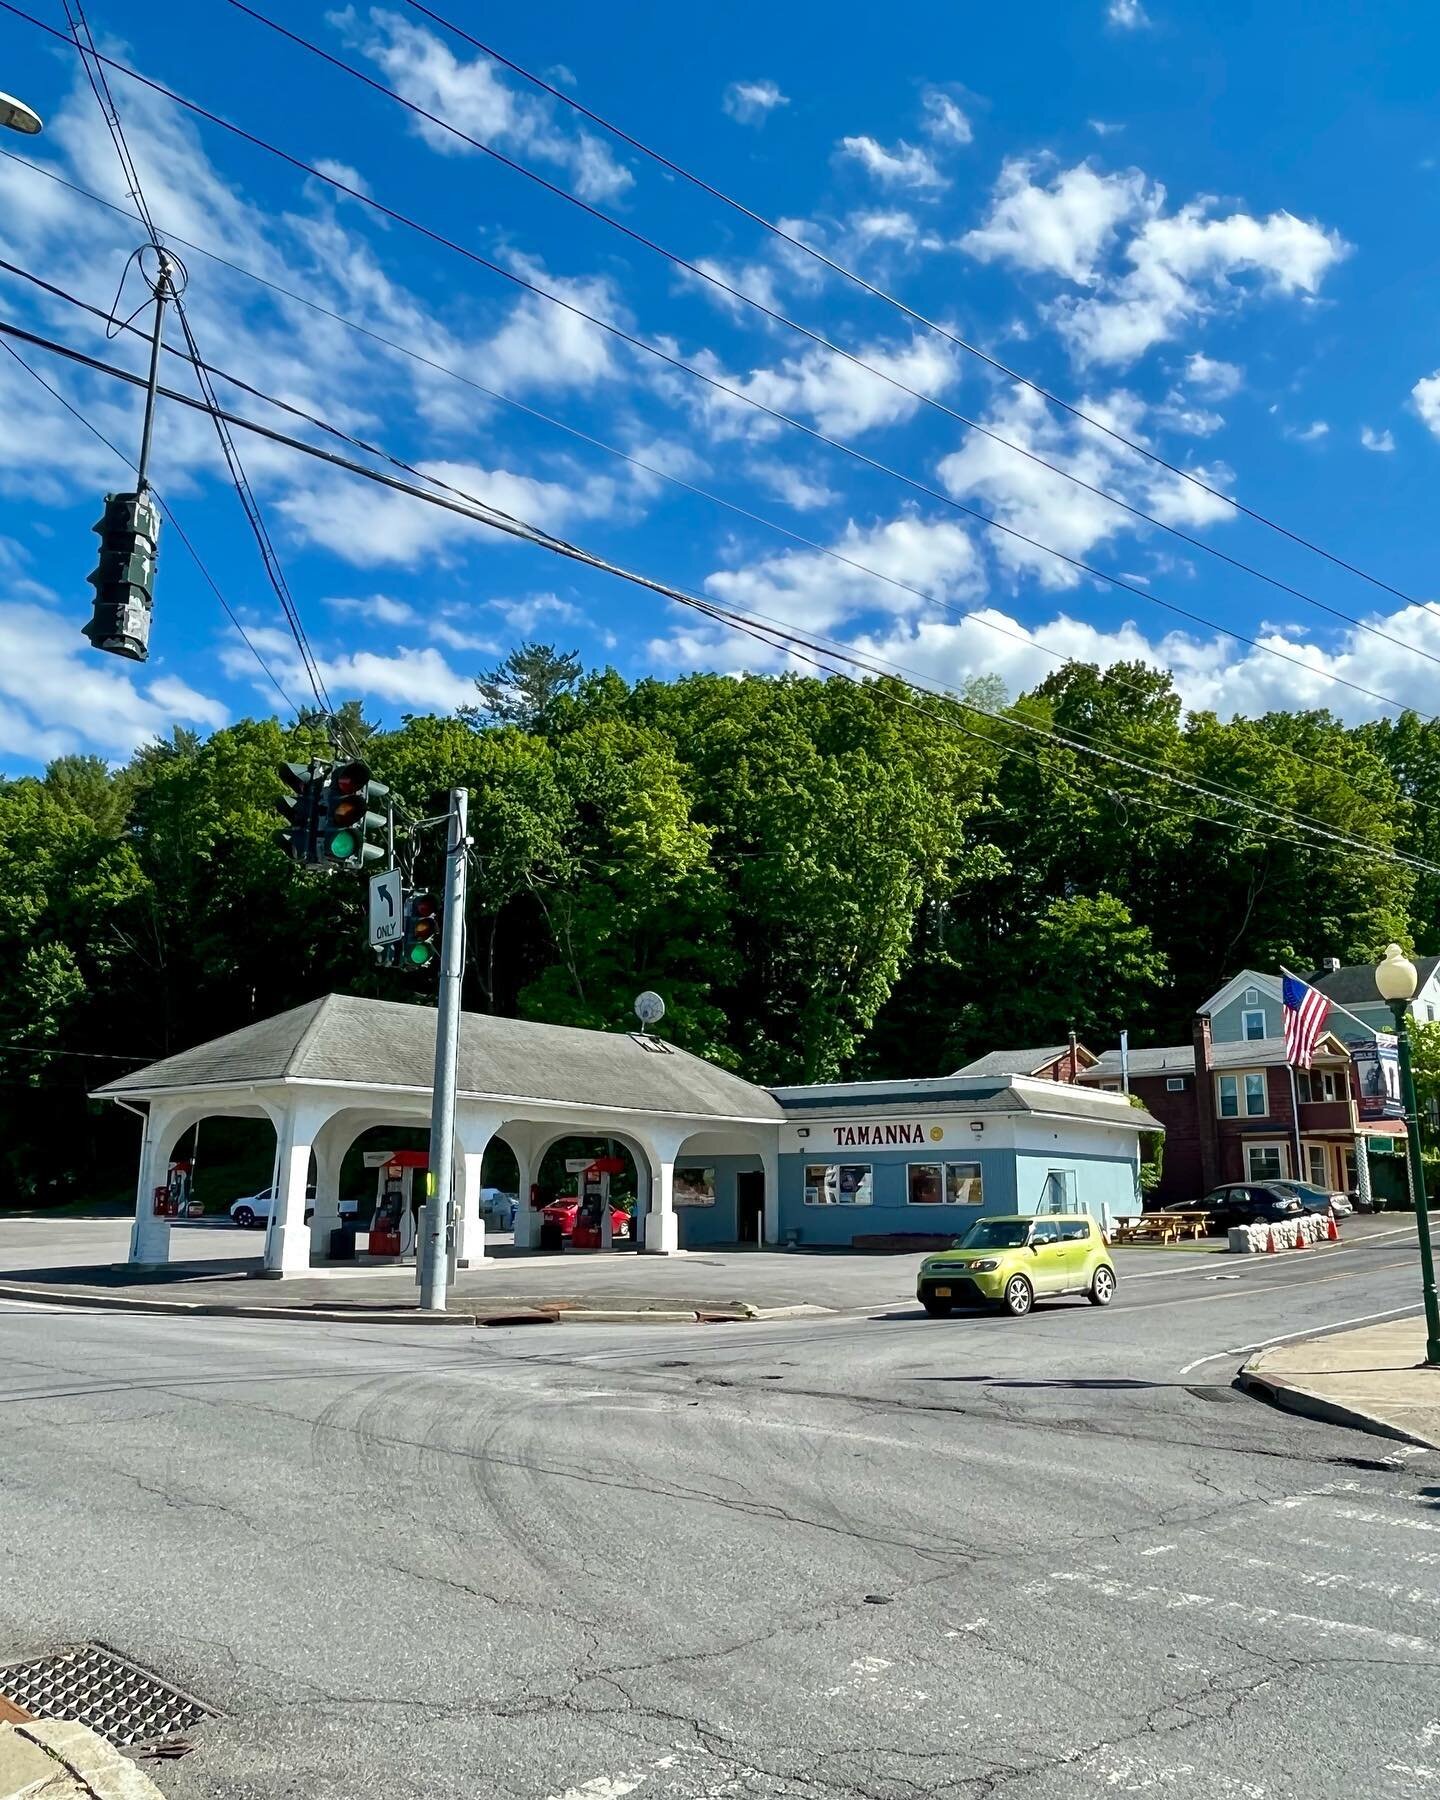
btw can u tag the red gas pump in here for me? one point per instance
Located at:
(597, 1223)
(385, 1224)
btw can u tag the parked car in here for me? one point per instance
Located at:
(564, 1211)
(1013, 1262)
(502, 1205)
(1250, 1203)
(1316, 1199)
(254, 1209)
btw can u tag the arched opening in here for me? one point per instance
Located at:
(564, 1189)
(719, 1192)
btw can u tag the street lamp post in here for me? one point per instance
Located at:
(1395, 978)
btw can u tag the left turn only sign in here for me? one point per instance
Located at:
(387, 909)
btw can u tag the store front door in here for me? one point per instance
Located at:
(749, 1206)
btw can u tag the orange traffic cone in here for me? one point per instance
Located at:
(1300, 1240)
(1332, 1236)
(1270, 1243)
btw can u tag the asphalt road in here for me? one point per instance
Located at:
(873, 1555)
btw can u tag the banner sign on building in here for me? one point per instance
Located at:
(1377, 1076)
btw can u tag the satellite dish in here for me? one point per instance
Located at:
(649, 1008)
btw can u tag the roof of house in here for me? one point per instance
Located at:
(1024, 1062)
(962, 1094)
(387, 1044)
(1179, 1059)
(1355, 984)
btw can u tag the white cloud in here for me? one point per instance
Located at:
(1308, 434)
(1209, 376)
(841, 398)
(363, 524)
(542, 346)
(944, 120)
(794, 485)
(1044, 505)
(904, 166)
(806, 588)
(1127, 15)
(454, 638)
(1104, 128)
(379, 607)
(1062, 228)
(1194, 421)
(62, 696)
(408, 677)
(524, 615)
(345, 173)
(1381, 441)
(1426, 395)
(752, 102)
(475, 98)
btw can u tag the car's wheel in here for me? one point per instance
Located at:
(1102, 1287)
(1019, 1296)
(243, 1216)
(937, 1309)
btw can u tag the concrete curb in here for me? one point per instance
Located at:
(81, 1764)
(507, 1313)
(1292, 1398)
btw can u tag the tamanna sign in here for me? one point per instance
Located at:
(885, 1137)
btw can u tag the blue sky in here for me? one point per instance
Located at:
(1214, 227)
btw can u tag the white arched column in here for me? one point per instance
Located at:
(662, 1228)
(770, 1162)
(473, 1132)
(287, 1236)
(150, 1234)
(529, 1142)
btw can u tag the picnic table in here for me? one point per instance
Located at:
(1159, 1227)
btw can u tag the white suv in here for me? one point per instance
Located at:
(254, 1209)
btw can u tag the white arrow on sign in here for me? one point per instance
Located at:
(387, 909)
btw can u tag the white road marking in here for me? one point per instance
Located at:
(961, 1630)
(1416, 1771)
(1285, 1337)
(1178, 1600)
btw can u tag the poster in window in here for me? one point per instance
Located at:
(924, 1184)
(854, 1184)
(962, 1184)
(822, 1185)
(694, 1187)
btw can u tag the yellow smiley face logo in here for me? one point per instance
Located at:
(936, 1133)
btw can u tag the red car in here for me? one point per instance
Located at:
(565, 1211)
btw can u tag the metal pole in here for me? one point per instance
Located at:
(1417, 1183)
(161, 290)
(434, 1258)
(1124, 1062)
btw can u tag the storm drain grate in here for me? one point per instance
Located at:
(121, 1701)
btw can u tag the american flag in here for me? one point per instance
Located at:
(1306, 1011)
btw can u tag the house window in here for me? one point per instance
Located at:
(943, 1184)
(1317, 1165)
(1330, 1084)
(839, 1184)
(1109, 1087)
(1265, 1162)
(1256, 1104)
(1229, 1097)
(1253, 1023)
(1252, 996)
(1175, 1084)
(1302, 1086)
(1352, 1171)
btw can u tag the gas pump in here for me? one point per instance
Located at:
(393, 1224)
(594, 1222)
(173, 1200)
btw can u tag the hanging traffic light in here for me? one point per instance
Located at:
(346, 821)
(422, 930)
(300, 838)
(123, 580)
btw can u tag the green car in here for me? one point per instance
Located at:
(1013, 1262)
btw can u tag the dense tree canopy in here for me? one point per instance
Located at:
(822, 878)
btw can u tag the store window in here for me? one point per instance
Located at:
(1317, 1165)
(1253, 1023)
(1256, 1104)
(943, 1184)
(1265, 1162)
(839, 1184)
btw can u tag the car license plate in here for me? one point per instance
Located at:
(942, 1293)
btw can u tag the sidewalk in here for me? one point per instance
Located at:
(1372, 1379)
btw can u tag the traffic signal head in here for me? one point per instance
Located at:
(348, 821)
(422, 929)
(124, 578)
(300, 809)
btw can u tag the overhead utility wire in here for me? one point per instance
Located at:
(166, 508)
(666, 475)
(482, 513)
(879, 293)
(623, 336)
(701, 273)
(110, 112)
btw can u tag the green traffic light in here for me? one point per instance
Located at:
(420, 954)
(342, 845)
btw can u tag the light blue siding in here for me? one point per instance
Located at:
(715, 1224)
(1227, 1023)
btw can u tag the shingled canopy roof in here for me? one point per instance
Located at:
(386, 1044)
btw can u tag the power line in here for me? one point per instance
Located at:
(620, 334)
(701, 273)
(919, 318)
(746, 619)
(166, 508)
(1019, 637)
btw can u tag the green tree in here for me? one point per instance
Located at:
(520, 690)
